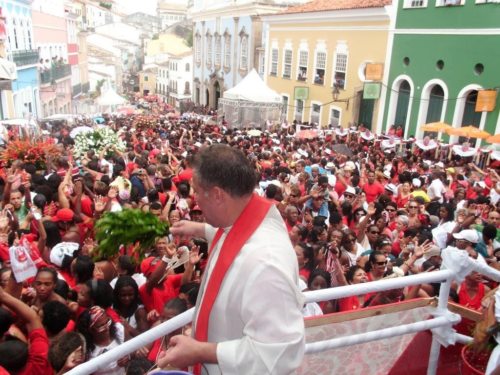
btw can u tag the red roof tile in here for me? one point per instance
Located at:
(322, 5)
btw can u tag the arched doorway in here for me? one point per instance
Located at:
(435, 107)
(366, 107)
(207, 98)
(470, 116)
(402, 104)
(216, 94)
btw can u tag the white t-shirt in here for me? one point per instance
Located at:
(436, 190)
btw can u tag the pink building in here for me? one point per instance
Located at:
(51, 40)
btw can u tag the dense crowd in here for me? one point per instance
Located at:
(355, 211)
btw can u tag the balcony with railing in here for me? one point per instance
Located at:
(26, 57)
(54, 73)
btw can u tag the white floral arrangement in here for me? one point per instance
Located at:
(97, 140)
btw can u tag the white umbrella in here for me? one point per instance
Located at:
(389, 143)
(80, 129)
(426, 145)
(464, 150)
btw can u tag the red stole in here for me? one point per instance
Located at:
(243, 228)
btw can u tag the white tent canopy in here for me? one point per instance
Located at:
(110, 97)
(250, 104)
(253, 89)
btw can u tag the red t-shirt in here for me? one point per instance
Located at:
(349, 303)
(372, 191)
(159, 297)
(38, 353)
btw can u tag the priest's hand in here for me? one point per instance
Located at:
(185, 228)
(184, 351)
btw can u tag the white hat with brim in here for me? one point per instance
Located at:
(469, 235)
(60, 250)
(350, 190)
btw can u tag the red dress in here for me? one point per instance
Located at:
(349, 303)
(466, 326)
(472, 303)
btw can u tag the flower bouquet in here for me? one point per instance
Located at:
(30, 151)
(97, 140)
(145, 121)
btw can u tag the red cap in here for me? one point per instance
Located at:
(148, 265)
(64, 214)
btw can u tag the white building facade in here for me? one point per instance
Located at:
(227, 43)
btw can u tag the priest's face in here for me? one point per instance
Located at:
(207, 202)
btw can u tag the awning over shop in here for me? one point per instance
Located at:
(7, 70)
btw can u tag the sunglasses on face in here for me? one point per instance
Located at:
(390, 209)
(413, 207)
(374, 232)
(381, 263)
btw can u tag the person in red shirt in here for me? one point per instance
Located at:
(372, 188)
(17, 357)
(355, 275)
(159, 289)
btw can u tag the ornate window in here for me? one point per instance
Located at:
(319, 71)
(302, 66)
(209, 49)
(197, 49)
(287, 63)
(218, 50)
(340, 67)
(227, 50)
(274, 62)
(244, 52)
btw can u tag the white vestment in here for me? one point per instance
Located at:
(257, 319)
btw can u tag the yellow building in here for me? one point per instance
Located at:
(165, 44)
(316, 58)
(147, 81)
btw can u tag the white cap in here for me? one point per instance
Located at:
(60, 250)
(350, 165)
(332, 180)
(468, 235)
(350, 190)
(391, 188)
(387, 174)
(481, 184)
(416, 182)
(328, 151)
(439, 164)
(330, 165)
(303, 153)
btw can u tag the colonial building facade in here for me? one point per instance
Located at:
(227, 39)
(316, 58)
(444, 54)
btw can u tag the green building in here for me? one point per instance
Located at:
(443, 53)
